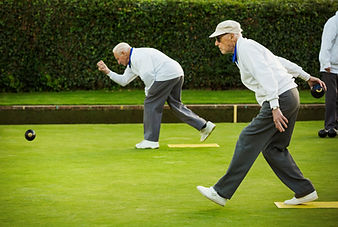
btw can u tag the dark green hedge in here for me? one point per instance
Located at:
(54, 45)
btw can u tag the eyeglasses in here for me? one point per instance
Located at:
(218, 38)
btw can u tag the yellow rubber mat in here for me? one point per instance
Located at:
(193, 145)
(309, 205)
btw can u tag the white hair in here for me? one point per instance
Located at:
(121, 47)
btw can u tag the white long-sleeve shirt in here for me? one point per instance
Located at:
(150, 65)
(328, 55)
(264, 73)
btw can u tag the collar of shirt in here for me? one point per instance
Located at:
(129, 63)
(234, 56)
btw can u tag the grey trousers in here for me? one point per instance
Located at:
(331, 100)
(262, 136)
(160, 92)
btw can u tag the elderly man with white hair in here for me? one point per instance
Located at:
(163, 78)
(271, 78)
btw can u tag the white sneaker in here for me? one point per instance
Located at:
(144, 144)
(211, 194)
(207, 130)
(296, 201)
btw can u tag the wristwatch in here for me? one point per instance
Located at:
(275, 107)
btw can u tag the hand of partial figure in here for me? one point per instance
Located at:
(328, 69)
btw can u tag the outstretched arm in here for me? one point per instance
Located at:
(122, 80)
(297, 71)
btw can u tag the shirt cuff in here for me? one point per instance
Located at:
(274, 103)
(305, 77)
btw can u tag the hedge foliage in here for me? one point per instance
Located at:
(53, 45)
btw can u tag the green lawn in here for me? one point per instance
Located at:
(129, 97)
(89, 175)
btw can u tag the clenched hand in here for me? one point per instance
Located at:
(102, 67)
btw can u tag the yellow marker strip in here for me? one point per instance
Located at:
(235, 113)
(194, 145)
(309, 205)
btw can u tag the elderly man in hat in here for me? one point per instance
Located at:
(271, 78)
(163, 78)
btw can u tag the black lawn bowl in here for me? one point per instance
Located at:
(322, 133)
(332, 133)
(30, 135)
(317, 91)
